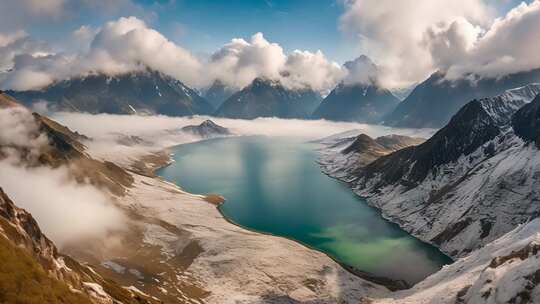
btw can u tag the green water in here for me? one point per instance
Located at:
(274, 185)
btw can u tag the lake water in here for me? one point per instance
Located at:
(274, 185)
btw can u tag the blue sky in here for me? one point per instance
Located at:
(202, 26)
(295, 24)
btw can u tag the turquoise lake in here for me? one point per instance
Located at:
(274, 185)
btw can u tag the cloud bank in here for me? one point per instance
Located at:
(128, 44)
(67, 211)
(159, 132)
(457, 37)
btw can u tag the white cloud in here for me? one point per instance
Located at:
(304, 68)
(509, 45)
(18, 43)
(128, 44)
(66, 210)
(19, 132)
(120, 46)
(392, 32)
(239, 62)
(457, 37)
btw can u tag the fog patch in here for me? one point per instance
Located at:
(159, 132)
(65, 210)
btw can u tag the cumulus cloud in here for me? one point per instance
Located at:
(361, 70)
(237, 63)
(18, 43)
(457, 37)
(120, 46)
(128, 44)
(509, 45)
(392, 32)
(66, 210)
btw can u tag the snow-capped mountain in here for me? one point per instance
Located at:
(146, 91)
(433, 102)
(470, 183)
(269, 98)
(359, 98)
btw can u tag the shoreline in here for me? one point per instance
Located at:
(380, 211)
(217, 200)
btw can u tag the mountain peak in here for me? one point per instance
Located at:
(207, 129)
(146, 91)
(265, 97)
(526, 121)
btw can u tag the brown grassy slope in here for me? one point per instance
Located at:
(23, 280)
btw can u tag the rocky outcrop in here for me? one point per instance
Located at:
(207, 129)
(349, 155)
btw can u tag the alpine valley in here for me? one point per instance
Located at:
(356, 152)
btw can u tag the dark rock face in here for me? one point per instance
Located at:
(470, 128)
(526, 121)
(433, 102)
(146, 91)
(356, 102)
(218, 93)
(267, 98)
(207, 129)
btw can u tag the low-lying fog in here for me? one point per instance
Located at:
(158, 132)
(68, 211)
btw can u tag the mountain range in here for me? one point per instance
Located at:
(433, 102)
(147, 91)
(362, 99)
(269, 98)
(468, 184)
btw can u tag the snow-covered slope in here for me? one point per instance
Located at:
(470, 183)
(505, 271)
(344, 155)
